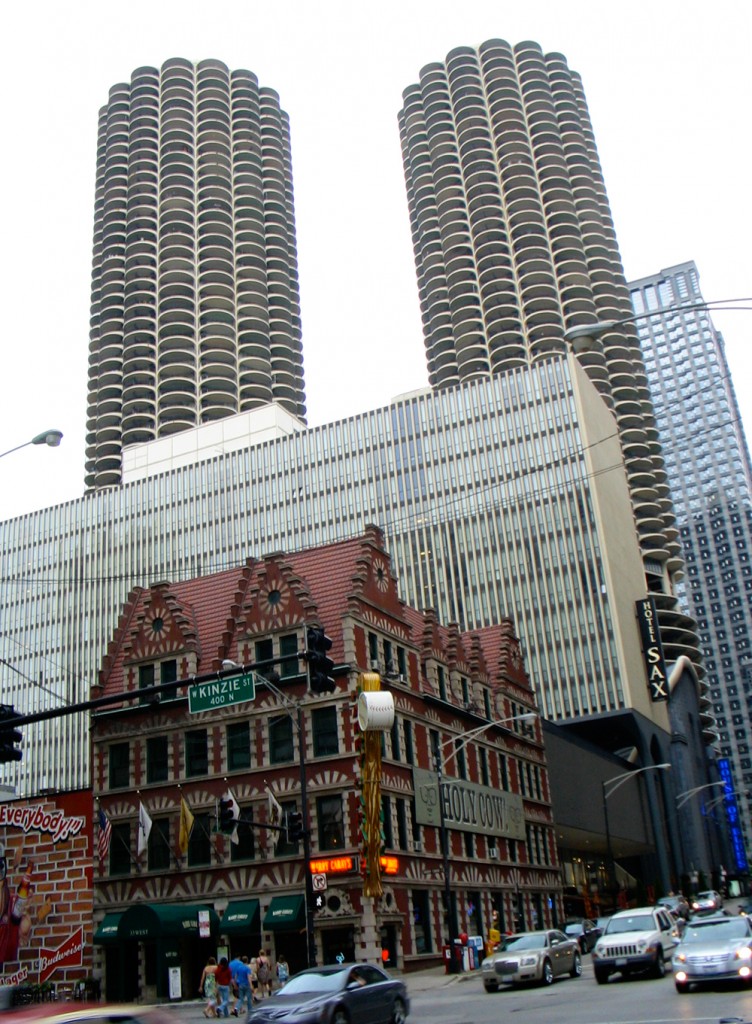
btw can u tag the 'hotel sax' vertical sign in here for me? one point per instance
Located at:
(652, 649)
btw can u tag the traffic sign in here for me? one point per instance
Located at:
(319, 901)
(318, 882)
(221, 693)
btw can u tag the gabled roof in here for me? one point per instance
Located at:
(210, 618)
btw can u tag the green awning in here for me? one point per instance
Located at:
(241, 917)
(285, 912)
(162, 920)
(108, 929)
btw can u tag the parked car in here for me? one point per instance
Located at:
(337, 994)
(538, 956)
(714, 949)
(635, 941)
(708, 902)
(584, 930)
(677, 904)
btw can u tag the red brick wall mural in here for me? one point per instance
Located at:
(46, 889)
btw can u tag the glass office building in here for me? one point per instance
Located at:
(708, 464)
(505, 495)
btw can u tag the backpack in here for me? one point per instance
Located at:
(263, 972)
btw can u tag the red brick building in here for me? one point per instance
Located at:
(444, 683)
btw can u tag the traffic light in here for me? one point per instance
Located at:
(228, 817)
(294, 826)
(320, 665)
(8, 735)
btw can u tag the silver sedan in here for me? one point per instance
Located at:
(714, 949)
(532, 956)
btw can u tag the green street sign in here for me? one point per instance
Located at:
(221, 692)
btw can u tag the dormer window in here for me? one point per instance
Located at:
(442, 682)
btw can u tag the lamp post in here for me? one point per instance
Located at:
(583, 335)
(440, 765)
(682, 798)
(290, 706)
(614, 784)
(51, 438)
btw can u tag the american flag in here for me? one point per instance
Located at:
(104, 838)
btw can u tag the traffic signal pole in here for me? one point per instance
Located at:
(310, 936)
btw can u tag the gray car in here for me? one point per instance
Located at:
(713, 949)
(340, 994)
(532, 956)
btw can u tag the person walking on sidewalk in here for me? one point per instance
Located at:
(208, 987)
(283, 971)
(264, 974)
(224, 980)
(242, 978)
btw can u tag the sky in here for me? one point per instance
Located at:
(669, 91)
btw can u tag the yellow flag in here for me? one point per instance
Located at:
(186, 824)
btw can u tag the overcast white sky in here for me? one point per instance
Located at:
(667, 82)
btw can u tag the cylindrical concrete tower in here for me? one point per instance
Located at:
(514, 244)
(195, 310)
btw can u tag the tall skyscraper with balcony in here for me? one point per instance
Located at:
(514, 245)
(708, 465)
(195, 311)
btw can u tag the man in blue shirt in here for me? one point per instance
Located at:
(241, 977)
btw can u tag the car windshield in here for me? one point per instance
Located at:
(315, 981)
(529, 941)
(630, 923)
(716, 931)
(573, 929)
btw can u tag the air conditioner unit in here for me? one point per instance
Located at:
(493, 853)
(418, 846)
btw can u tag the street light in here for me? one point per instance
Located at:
(291, 706)
(441, 763)
(51, 438)
(682, 798)
(583, 336)
(619, 780)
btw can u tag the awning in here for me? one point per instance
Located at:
(162, 920)
(108, 929)
(285, 913)
(241, 917)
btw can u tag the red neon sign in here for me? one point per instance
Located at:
(332, 865)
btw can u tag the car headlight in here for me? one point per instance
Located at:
(681, 957)
(528, 961)
(745, 953)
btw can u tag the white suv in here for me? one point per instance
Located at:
(635, 941)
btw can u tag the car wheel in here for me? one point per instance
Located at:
(399, 1015)
(601, 976)
(490, 987)
(659, 968)
(576, 971)
(340, 1016)
(547, 974)
(682, 988)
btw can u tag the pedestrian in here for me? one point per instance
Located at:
(254, 980)
(264, 974)
(224, 980)
(283, 971)
(243, 980)
(208, 987)
(234, 964)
